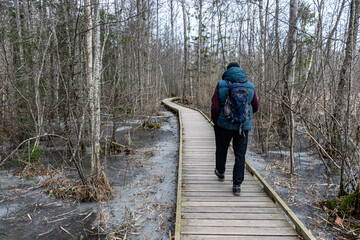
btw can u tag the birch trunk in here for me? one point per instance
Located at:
(184, 92)
(95, 166)
(290, 77)
(198, 95)
(138, 48)
(90, 82)
(172, 48)
(262, 45)
(189, 75)
(221, 37)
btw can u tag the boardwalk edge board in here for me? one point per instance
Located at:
(299, 226)
(178, 202)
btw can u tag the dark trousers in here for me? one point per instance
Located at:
(223, 138)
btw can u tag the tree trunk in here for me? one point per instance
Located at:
(96, 121)
(262, 44)
(173, 89)
(290, 78)
(3, 92)
(3, 99)
(357, 205)
(6, 76)
(345, 80)
(220, 36)
(184, 92)
(19, 31)
(36, 72)
(198, 95)
(90, 81)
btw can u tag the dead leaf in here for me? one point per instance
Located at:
(339, 221)
(325, 209)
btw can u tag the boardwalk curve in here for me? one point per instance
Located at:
(207, 208)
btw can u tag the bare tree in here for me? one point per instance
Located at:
(184, 12)
(91, 86)
(95, 111)
(198, 95)
(289, 78)
(343, 93)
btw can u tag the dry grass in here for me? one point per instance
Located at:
(96, 189)
(34, 170)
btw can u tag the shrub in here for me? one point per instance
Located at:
(33, 155)
(151, 125)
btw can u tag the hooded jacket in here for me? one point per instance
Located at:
(234, 74)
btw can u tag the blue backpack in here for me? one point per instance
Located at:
(236, 108)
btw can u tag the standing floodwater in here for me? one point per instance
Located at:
(145, 192)
(303, 191)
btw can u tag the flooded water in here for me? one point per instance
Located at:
(145, 185)
(145, 201)
(143, 206)
(303, 191)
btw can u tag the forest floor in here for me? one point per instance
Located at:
(144, 202)
(304, 190)
(145, 191)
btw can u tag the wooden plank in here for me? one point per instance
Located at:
(247, 231)
(226, 199)
(214, 180)
(221, 191)
(223, 194)
(224, 210)
(202, 171)
(221, 187)
(210, 172)
(227, 183)
(227, 176)
(200, 155)
(236, 216)
(268, 204)
(200, 146)
(217, 185)
(235, 223)
(228, 237)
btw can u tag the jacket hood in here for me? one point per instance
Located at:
(235, 74)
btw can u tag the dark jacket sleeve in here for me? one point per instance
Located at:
(215, 105)
(255, 103)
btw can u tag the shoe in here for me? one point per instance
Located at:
(220, 176)
(236, 190)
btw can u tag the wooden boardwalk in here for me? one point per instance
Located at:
(207, 208)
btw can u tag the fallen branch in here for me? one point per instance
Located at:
(123, 148)
(115, 143)
(66, 231)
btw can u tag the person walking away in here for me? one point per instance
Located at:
(226, 129)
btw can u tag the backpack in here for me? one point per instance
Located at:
(236, 108)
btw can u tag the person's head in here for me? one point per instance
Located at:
(233, 64)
